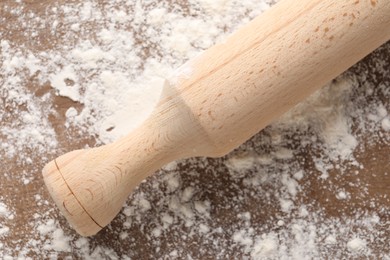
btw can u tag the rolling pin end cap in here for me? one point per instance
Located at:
(67, 202)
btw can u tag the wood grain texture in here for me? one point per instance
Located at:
(259, 73)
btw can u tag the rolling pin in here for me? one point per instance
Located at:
(220, 99)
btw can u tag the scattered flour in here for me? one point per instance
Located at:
(266, 246)
(108, 62)
(5, 216)
(386, 124)
(58, 242)
(356, 245)
(342, 195)
(4, 210)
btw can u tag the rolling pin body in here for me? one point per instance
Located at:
(222, 98)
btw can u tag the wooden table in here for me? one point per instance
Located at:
(366, 185)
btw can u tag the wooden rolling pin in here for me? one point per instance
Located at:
(222, 98)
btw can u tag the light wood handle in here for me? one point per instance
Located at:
(221, 98)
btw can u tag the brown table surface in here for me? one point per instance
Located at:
(367, 186)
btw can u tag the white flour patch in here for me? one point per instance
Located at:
(356, 245)
(5, 216)
(4, 213)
